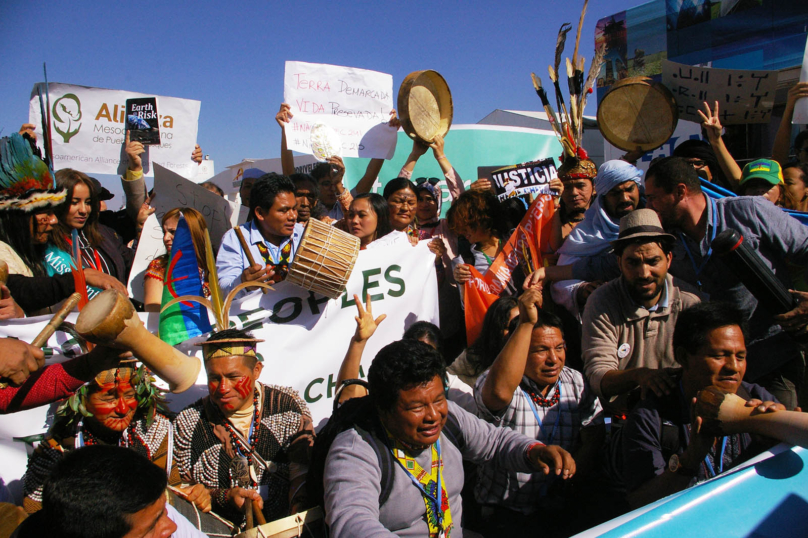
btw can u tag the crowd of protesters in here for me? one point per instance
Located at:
(572, 406)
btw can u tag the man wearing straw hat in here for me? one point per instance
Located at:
(628, 323)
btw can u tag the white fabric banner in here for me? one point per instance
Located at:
(89, 129)
(305, 336)
(172, 190)
(355, 103)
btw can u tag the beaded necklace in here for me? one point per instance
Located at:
(126, 440)
(253, 438)
(546, 402)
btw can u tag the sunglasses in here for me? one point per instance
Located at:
(432, 181)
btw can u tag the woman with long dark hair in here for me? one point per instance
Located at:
(495, 332)
(100, 247)
(368, 218)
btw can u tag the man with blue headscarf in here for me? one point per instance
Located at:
(587, 250)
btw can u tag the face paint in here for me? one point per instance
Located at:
(242, 386)
(114, 414)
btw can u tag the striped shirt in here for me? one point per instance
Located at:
(577, 407)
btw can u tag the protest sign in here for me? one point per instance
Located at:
(305, 335)
(354, 103)
(229, 180)
(521, 180)
(801, 106)
(743, 96)
(172, 190)
(89, 130)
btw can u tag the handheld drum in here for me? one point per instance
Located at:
(637, 114)
(425, 105)
(110, 319)
(724, 413)
(324, 259)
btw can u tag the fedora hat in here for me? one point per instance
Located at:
(641, 223)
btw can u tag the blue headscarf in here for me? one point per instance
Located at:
(598, 229)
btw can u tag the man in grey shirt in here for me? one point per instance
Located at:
(407, 411)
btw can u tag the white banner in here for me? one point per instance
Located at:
(355, 103)
(89, 129)
(305, 335)
(172, 190)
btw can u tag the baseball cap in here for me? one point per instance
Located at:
(766, 169)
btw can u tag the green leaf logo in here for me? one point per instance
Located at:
(66, 114)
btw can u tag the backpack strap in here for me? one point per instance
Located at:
(454, 432)
(385, 459)
(346, 383)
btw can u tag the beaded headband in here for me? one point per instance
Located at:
(123, 373)
(236, 347)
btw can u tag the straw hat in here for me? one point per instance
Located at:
(641, 223)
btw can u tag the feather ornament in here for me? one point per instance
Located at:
(218, 305)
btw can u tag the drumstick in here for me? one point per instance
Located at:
(246, 249)
(259, 515)
(3, 273)
(42, 338)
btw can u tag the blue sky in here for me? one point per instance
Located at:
(231, 56)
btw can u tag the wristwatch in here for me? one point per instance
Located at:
(675, 466)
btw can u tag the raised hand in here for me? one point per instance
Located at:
(133, 151)
(284, 115)
(711, 122)
(365, 323)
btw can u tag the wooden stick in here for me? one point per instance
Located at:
(3, 273)
(42, 338)
(259, 515)
(246, 249)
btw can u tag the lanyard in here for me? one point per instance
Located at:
(97, 265)
(536, 414)
(699, 269)
(425, 493)
(249, 438)
(712, 472)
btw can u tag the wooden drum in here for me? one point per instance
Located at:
(324, 259)
(110, 320)
(638, 114)
(425, 105)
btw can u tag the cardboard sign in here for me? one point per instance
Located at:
(743, 96)
(89, 130)
(521, 180)
(172, 190)
(355, 103)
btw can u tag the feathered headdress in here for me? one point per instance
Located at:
(220, 307)
(26, 182)
(567, 124)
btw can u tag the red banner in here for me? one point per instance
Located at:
(523, 248)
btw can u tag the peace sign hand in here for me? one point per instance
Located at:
(365, 324)
(711, 122)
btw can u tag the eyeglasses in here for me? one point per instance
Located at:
(696, 163)
(432, 181)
